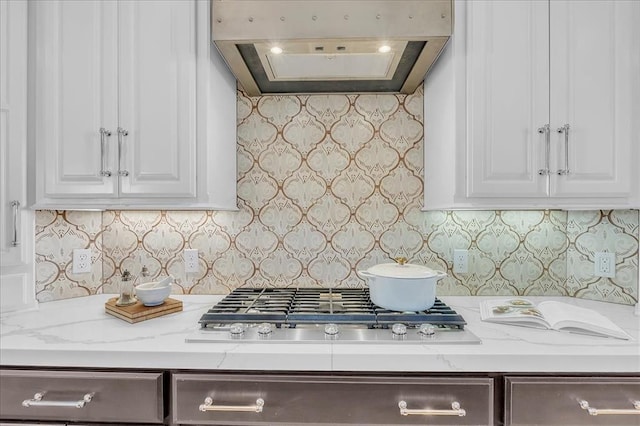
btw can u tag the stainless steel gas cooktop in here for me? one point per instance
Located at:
(315, 315)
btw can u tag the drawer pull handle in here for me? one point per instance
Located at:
(455, 410)
(208, 406)
(600, 411)
(38, 402)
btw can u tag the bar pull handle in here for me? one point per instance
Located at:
(121, 133)
(607, 411)
(455, 411)
(15, 204)
(37, 401)
(565, 129)
(547, 149)
(208, 406)
(104, 133)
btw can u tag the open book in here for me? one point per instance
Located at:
(550, 315)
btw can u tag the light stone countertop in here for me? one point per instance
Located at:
(78, 333)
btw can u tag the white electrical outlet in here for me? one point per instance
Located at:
(605, 264)
(460, 261)
(191, 260)
(81, 261)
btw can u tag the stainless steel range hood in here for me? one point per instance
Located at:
(328, 46)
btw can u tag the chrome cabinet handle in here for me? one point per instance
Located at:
(37, 401)
(455, 410)
(16, 206)
(104, 133)
(121, 132)
(565, 129)
(547, 149)
(605, 411)
(208, 406)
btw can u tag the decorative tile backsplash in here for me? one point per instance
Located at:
(328, 185)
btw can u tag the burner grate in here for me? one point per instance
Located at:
(319, 306)
(251, 306)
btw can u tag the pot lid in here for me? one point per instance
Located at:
(407, 270)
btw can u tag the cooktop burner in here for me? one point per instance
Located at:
(291, 307)
(313, 314)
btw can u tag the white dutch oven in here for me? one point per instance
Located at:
(402, 286)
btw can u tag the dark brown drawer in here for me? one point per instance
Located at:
(116, 397)
(303, 400)
(556, 400)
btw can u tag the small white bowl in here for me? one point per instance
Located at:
(152, 296)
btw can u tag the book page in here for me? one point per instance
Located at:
(565, 316)
(516, 311)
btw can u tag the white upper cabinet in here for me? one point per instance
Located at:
(16, 220)
(157, 101)
(508, 97)
(595, 80)
(117, 117)
(76, 91)
(544, 107)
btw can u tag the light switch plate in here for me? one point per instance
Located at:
(81, 261)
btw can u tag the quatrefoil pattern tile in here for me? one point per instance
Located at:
(328, 185)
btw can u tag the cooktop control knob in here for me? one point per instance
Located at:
(331, 329)
(236, 330)
(427, 330)
(399, 329)
(265, 329)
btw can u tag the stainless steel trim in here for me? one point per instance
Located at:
(455, 410)
(547, 149)
(610, 411)
(15, 204)
(312, 333)
(38, 402)
(565, 129)
(103, 133)
(208, 406)
(250, 22)
(121, 132)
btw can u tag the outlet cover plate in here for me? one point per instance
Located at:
(461, 261)
(191, 260)
(605, 264)
(81, 261)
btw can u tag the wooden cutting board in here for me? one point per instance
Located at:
(138, 312)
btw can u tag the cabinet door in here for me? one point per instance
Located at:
(75, 96)
(16, 220)
(595, 68)
(507, 98)
(13, 127)
(157, 103)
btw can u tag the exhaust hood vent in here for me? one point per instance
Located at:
(329, 46)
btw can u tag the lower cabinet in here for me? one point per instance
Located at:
(84, 397)
(81, 396)
(225, 399)
(571, 401)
